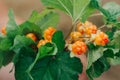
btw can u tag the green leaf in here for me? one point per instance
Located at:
(114, 9)
(90, 9)
(12, 28)
(60, 67)
(28, 27)
(6, 57)
(44, 19)
(74, 8)
(94, 55)
(97, 68)
(116, 40)
(58, 39)
(116, 59)
(21, 42)
(47, 50)
(5, 44)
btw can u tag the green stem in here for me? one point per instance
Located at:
(31, 67)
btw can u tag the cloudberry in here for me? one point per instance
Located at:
(41, 42)
(80, 28)
(32, 36)
(48, 33)
(75, 36)
(79, 47)
(101, 39)
(91, 30)
(3, 30)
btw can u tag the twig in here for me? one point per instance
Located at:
(102, 26)
(98, 14)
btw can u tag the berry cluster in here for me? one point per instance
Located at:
(47, 36)
(85, 33)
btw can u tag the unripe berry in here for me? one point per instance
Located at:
(41, 42)
(3, 30)
(32, 36)
(48, 33)
(79, 47)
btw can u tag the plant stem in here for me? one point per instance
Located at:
(97, 14)
(72, 28)
(102, 26)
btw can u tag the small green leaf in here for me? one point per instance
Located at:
(114, 10)
(6, 57)
(5, 44)
(59, 67)
(28, 27)
(12, 28)
(97, 68)
(58, 39)
(94, 55)
(21, 42)
(44, 19)
(116, 40)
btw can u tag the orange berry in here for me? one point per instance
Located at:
(32, 36)
(41, 42)
(79, 48)
(48, 33)
(101, 39)
(91, 30)
(80, 28)
(87, 24)
(3, 30)
(75, 36)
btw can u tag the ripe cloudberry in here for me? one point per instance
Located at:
(80, 28)
(75, 36)
(41, 42)
(32, 36)
(91, 30)
(101, 39)
(48, 33)
(3, 30)
(79, 47)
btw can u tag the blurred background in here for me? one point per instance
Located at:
(22, 10)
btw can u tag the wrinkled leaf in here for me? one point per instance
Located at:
(12, 28)
(74, 8)
(58, 39)
(60, 67)
(44, 19)
(116, 40)
(97, 68)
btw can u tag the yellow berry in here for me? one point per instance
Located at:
(79, 47)
(42, 42)
(75, 36)
(3, 30)
(48, 33)
(32, 36)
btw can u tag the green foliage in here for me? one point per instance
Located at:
(51, 67)
(12, 28)
(113, 11)
(5, 44)
(97, 68)
(116, 39)
(44, 19)
(58, 39)
(21, 42)
(76, 9)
